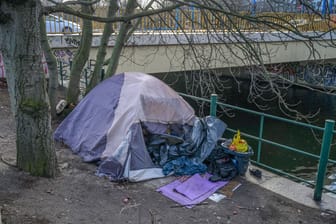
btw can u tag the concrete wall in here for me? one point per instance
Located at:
(167, 52)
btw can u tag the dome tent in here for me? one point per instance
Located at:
(107, 125)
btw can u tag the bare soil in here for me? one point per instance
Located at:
(78, 196)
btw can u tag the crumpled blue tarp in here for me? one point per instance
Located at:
(183, 166)
(184, 155)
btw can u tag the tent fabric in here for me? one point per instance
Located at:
(179, 153)
(84, 129)
(107, 125)
(147, 99)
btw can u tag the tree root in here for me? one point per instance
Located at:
(6, 162)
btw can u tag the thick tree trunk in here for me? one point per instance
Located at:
(21, 48)
(52, 68)
(112, 10)
(121, 39)
(80, 59)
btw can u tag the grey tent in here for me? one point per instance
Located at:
(108, 124)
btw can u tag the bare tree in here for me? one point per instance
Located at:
(125, 27)
(21, 48)
(112, 10)
(311, 28)
(80, 58)
(228, 22)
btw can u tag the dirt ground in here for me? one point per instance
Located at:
(78, 196)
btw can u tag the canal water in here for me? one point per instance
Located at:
(276, 131)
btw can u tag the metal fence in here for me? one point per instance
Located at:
(193, 19)
(327, 131)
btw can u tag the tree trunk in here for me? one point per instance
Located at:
(21, 48)
(80, 58)
(112, 10)
(121, 39)
(52, 68)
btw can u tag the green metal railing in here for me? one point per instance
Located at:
(323, 158)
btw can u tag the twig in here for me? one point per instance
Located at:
(7, 163)
(127, 207)
(241, 207)
(178, 206)
(328, 211)
(153, 216)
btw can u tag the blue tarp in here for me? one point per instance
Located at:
(187, 155)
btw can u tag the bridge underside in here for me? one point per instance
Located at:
(167, 52)
(174, 58)
(150, 53)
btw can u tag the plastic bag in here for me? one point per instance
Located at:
(238, 144)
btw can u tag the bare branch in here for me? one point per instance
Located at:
(77, 2)
(126, 18)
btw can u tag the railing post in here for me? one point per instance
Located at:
(261, 130)
(102, 74)
(253, 7)
(61, 72)
(213, 105)
(331, 5)
(86, 78)
(325, 149)
(70, 64)
(177, 18)
(324, 8)
(192, 17)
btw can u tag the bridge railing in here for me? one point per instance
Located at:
(192, 19)
(323, 159)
